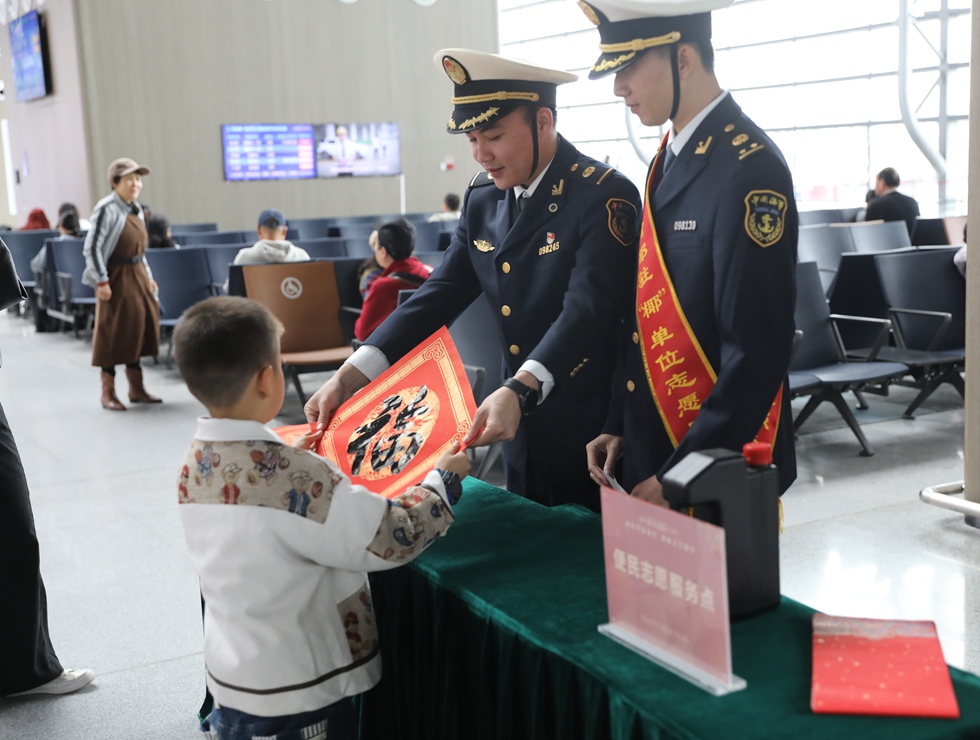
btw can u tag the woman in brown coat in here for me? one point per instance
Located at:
(127, 314)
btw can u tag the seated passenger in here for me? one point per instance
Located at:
(68, 228)
(400, 271)
(891, 205)
(450, 209)
(83, 223)
(69, 225)
(282, 540)
(959, 259)
(272, 245)
(158, 228)
(862, 215)
(36, 221)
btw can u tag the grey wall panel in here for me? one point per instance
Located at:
(159, 79)
(47, 136)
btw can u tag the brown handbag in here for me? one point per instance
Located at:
(11, 290)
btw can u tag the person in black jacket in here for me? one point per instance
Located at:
(28, 662)
(891, 205)
(705, 362)
(547, 235)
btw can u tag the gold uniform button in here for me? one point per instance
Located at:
(636, 338)
(630, 386)
(505, 310)
(514, 349)
(505, 267)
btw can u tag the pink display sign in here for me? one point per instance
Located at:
(667, 585)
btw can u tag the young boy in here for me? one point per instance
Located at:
(282, 540)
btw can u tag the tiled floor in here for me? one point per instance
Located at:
(124, 601)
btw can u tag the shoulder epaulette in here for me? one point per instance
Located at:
(594, 172)
(480, 179)
(741, 143)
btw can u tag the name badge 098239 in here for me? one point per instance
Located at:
(688, 225)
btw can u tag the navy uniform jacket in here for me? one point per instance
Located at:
(559, 282)
(738, 296)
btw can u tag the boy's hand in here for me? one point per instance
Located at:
(306, 441)
(454, 461)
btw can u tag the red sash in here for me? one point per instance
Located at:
(678, 372)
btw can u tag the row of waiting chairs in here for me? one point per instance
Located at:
(829, 216)
(430, 236)
(58, 293)
(915, 336)
(310, 234)
(332, 220)
(184, 277)
(826, 244)
(926, 232)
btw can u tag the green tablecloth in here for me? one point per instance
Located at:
(492, 635)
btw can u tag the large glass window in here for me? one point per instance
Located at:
(821, 78)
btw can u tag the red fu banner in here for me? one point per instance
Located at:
(390, 434)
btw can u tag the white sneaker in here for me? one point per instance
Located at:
(71, 679)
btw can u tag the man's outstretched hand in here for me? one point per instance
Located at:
(344, 384)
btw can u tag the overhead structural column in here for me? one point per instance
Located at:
(943, 495)
(909, 116)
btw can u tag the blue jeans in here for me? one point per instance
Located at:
(334, 722)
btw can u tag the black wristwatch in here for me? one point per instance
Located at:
(527, 396)
(454, 486)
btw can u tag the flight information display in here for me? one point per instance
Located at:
(268, 151)
(29, 55)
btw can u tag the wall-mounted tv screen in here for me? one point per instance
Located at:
(358, 149)
(29, 56)
(268, 151)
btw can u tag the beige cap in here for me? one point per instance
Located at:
(124, 166)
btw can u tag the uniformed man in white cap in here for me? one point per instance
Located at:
(548, 236)
(706, 362)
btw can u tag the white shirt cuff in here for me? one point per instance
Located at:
(539, 371)
(370, 360)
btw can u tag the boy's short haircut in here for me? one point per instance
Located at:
(221, 343)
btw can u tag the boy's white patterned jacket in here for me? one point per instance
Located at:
(282, 542)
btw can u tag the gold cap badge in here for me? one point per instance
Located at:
(455, 70)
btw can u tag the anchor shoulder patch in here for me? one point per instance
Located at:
(622, 220)
(765, 216)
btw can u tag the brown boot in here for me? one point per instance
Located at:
(137, 393)
(109, 399)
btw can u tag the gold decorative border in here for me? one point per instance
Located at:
(439, 347)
